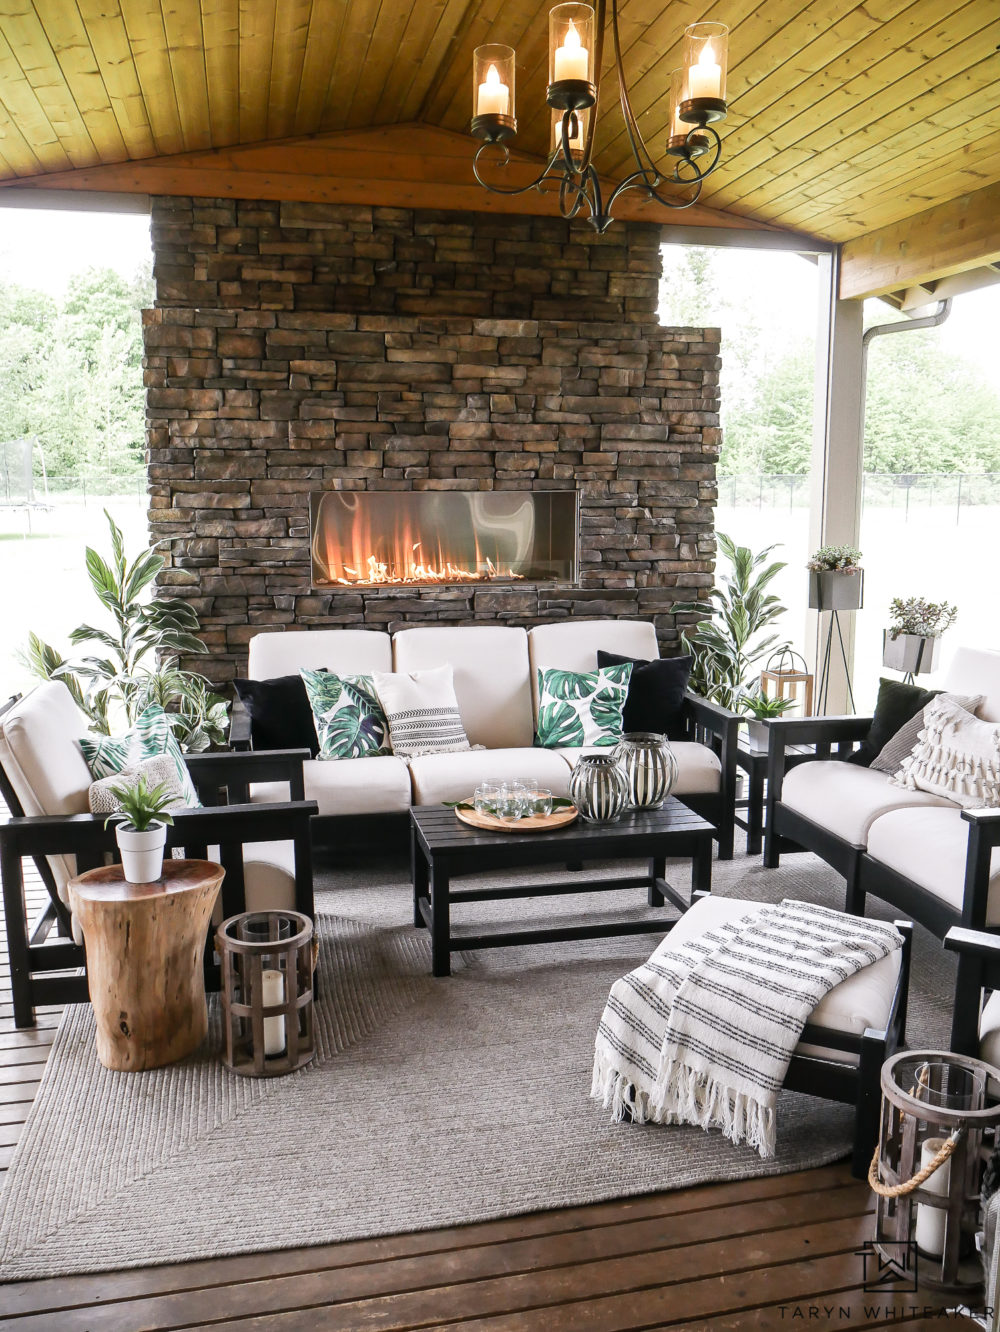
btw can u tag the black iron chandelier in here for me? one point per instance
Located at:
(576, 43)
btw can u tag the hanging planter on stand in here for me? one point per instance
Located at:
(836, 583)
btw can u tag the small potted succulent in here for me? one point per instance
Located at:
(912, 641)
(761, 708)
(142, 827)
(836, 579)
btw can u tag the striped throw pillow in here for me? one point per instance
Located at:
(422, 712)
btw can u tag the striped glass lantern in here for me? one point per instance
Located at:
(649, 766)
(599, 789)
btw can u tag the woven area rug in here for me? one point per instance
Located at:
(430, 1103)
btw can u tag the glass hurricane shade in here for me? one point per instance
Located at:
(577, 130)
(493, 81)
(571, 43)
(705, 56)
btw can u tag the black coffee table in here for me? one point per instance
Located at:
(443, 847)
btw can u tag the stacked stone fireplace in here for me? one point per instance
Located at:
(300, 349)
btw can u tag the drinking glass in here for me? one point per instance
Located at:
(512, 801)
(487, 798)
(541, 800)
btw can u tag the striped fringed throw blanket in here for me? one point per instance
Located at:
(702, 1033)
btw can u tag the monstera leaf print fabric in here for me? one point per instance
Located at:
(581, 707)
(350, 721)
(149, 737)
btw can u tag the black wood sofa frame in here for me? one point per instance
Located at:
(46, 965)
(701, 722)
(787, 830)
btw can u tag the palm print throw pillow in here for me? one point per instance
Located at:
(350, 721)
(581, 707)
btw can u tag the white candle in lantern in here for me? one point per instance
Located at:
(494, 95)
(705, 78)
(572, 58)
(272, 991)
(931, 1220)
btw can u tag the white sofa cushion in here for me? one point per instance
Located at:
(490, 664)
(976, 671)
(340, 650)
(863, 1000)
(989, 1031)
(699, 771)
(41, 755)
(269, 876)
(440, 777)
(349, 786)
(572, 645)
(956, 756)
(928, 846)
(846, 799)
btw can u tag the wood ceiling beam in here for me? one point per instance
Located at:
(404, 166)
(949, 238)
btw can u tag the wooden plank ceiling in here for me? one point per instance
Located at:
(845, 119)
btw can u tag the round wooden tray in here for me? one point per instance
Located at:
(559, 818)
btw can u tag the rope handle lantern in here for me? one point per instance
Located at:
(914, 1182)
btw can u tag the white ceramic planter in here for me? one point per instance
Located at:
(910, 653)
(142, 852)
(835, 590)
(758, 737)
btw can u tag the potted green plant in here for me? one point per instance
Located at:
(760, 708)
(913, 639)
(726, 644)
(142, 827)
(836, 579)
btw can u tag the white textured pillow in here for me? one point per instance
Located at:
(956, 756)
(159, 770)
(422, 711)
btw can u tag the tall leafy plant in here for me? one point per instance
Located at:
(727, 645)
(132, 662)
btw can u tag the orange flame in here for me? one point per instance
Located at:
(360, 557)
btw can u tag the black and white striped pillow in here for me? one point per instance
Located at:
(422, 712)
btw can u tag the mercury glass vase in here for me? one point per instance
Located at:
(599, 788)
(649, 766)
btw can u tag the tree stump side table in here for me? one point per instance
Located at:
(145, 954)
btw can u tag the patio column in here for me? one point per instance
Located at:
(837, 457)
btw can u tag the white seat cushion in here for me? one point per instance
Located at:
(440, 777)
(490, 673)
(347, 786)
(350, 651)
(976, 671)
(863, 1000)
(846, 799)
(269, 876)
(571, 645)
(699, 771)
(929, 847)
(41, 755)
(989, 1031)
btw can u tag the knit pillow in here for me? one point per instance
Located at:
(900, 747)
(151, 735)
(348, 716)
(422, 711)
(582, 707)
(956, 756)
(158, 771)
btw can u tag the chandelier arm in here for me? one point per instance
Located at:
(638, 181)
(569, 210)
(599, 20)
(501, 189)
(636, 142)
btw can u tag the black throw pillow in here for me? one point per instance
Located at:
(280, 715)
(655, 692)
(897, 703)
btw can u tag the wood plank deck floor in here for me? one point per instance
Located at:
(757, 1254)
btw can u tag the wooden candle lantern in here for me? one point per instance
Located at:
(267, 991)
(927, 1167)
(787, 676)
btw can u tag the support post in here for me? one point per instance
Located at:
(838, 456)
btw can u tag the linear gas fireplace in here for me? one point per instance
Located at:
(393, 538)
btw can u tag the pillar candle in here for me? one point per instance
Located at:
(572, 58)
(494, 96)
(931, 1220)
(705, 79)
(272, 990)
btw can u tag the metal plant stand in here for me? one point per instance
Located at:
(824, 675)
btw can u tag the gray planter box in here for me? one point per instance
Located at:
(758, 736)
(831, 591)
(911, 653)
